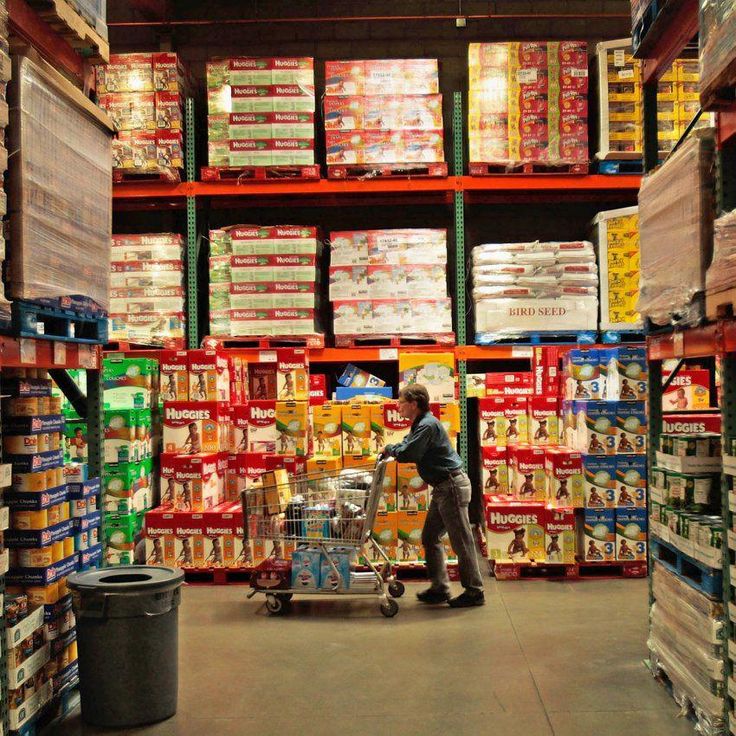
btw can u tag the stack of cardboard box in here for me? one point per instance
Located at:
(147, 289)
(528, 103)
(261, 112)
(144, 95)
(264, 280)
(383, 111)
(389, 282)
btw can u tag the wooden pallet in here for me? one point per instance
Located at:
(571, 571)
(119, 346)
(394, 341)
(386, 171)
(133, 176)
(491, 169)
(583, 337)
(720, 304)
(258, 173)
(264, 342)
(46, 323)
(69, 24)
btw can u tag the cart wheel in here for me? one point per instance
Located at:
(389, 608)
(396, 588)
(276, 606)
(285, 597)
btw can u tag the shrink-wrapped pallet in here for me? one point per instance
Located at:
(60, 188)
(676, 208)
(717, 49)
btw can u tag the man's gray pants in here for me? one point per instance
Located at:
(448, 512)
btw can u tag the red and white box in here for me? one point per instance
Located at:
(234, 479)
(317, 388)
(565, 484)
(509, 384)
(529, 478)
(209, 375)
(691, 423)
(560, 538)
(252, 466)
(174, 367)
(515, 531)
(262, 432)
(167, 480)
(495, 470)
(239, 417)
(262, 381)
(546, 370)
(395, 427)
(544, 420)
(194, 427)
(516, 419)
(491, 428)
(200, 481)
(160, 533)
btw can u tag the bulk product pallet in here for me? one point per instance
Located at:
(662, 32)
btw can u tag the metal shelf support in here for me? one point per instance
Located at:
(192, 242)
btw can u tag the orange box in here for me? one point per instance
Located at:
(192, 427)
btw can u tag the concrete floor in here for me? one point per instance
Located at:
(540, 658)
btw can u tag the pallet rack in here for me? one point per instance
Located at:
(673, 29)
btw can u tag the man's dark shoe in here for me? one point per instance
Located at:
(467, 599)
(433, 596)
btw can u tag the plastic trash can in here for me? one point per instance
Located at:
(127, 631)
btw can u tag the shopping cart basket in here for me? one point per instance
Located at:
(326, 521)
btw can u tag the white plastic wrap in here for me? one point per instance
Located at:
(717, 49)
(722, 272)
(676, 207)
(616, 234)
(60, 189)
(522, 288)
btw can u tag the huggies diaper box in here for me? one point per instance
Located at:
(174, 368)
(515, 531)
(209, 375)
(199, 481)
(292, 374)
(192, 427)
(560, 536)
(544, 423)
(529, 480)
(239, 424)
(494, 470)
(565, 483)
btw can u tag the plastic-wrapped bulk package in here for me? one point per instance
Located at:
(147, 289)
(717, 49)
(685, 641)
(94, 12)
(616, 236)
(5, 74)
(60, 188)
(522, 288)
(676, 208)
(722, 272)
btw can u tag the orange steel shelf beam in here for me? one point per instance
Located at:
(512, 183)
(26, 352)
(697, 342)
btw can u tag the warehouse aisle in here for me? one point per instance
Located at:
(562, 659)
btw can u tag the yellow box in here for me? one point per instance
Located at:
(327, 431)
(409, 534)
(389, 497)
(413, 492)
(23, 520)
(358, 461)
(625, 112)
(356, 430)
(292, 425)
(385, 532)
(434, 371)
(378, 428)
(666, 90)
(450, 420)
(669, 75)
(43, 595)
(687, 70)
(666, 110)
(687, 91)
(324, 464)
(276, 491)
(31, 482)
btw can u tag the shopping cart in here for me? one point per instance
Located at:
(326, 521)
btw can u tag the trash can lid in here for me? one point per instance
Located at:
(126, 579)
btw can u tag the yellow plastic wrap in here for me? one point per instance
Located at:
(722, 272)
(676, 208)
(717, 48)
(60, 189)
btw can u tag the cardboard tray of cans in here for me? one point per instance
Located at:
(689, 464)
(710, 556)
(729, 464)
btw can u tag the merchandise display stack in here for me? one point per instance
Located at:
(385, 283)
(261, 115)
(687, 536)
(264, 281)
(573, 469)
(528, 106)
(523, 289)
(676, 206)
(616, 238)
(621, 103)
(52, 506)
(147, 293)
(144, 95)
(384, 115)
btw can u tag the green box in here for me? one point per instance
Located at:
(120, 534)
(75, 441)
(129, 382)
(128, 487)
